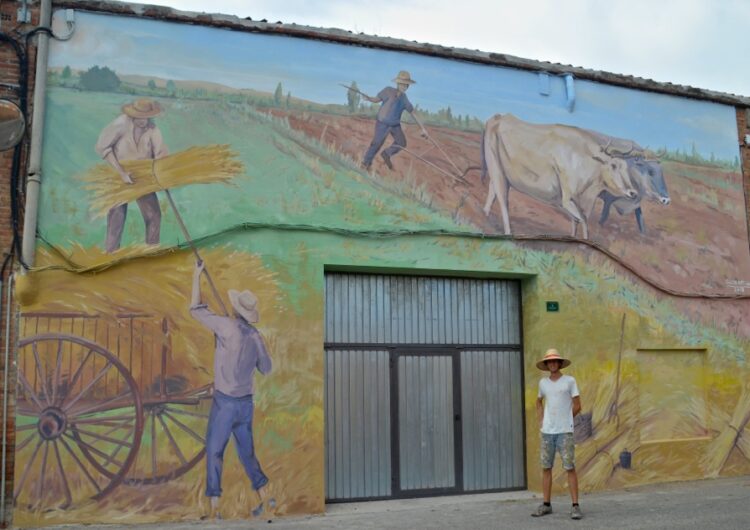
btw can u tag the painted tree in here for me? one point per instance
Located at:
(278, 94)
(152, 84)
(353, 98)
(102, 79)
(171, 88)
(66, 73)
(288, 99)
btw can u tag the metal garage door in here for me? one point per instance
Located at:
(423, 387)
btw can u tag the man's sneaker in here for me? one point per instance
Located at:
(541, 510)
(575, 513)
(387, 159)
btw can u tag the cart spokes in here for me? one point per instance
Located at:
(79, 421)
(173, 438)
(92, 417)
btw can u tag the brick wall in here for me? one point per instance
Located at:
(9, 89)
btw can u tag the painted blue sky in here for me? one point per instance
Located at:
(312, 70)
(700, 43)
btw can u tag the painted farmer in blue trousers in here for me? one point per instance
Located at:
(394, 103)
(240, 350)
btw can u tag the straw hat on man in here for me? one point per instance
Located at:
(142, 108)
(404, 77)
(244, 303)
(552, 355)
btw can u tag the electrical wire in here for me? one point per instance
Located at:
(72, 266)
(8, 259)
(48, 31)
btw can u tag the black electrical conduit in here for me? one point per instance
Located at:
(15, 174)
(72, 266)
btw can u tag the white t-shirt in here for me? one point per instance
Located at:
(558, 404)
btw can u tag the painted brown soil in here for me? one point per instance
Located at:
(696, 244)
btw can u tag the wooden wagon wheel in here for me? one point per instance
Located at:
(173, 439)
(75, 399)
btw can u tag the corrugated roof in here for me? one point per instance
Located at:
(374, 41)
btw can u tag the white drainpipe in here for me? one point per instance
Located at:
(34, 179)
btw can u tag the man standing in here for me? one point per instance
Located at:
(240, 350)
(394, 103)
(557, 403)
(133, 136)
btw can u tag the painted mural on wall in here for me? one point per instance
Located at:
(132, 381)
(652, 178)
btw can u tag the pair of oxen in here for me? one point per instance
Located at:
(568, 168)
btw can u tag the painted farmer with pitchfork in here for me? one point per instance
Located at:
(133, 136)
(393, 103)
(240, 351)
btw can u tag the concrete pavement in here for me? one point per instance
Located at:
(707, 504)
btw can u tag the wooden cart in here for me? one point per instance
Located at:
(100, 404)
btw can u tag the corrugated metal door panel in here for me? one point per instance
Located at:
(358, 458)
(425, 408)
(415, 310)
(492, 427)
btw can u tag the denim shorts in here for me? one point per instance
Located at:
(563, 444)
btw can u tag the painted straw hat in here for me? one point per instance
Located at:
(142, 108)
(404, 77)
(244, 302)
(552, 355)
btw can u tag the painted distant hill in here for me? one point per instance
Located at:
(142, 80)
(217, 88)
(141, 84)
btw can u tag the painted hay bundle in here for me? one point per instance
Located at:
(598, 457)
(196, 165)
(599, 470)
(721, 447)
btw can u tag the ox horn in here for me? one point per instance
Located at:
(615, 151)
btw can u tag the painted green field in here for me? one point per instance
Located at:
(289, 178)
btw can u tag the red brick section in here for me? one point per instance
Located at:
(743, 129)
(9, 79)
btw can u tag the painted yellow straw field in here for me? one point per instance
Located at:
(289, 417)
